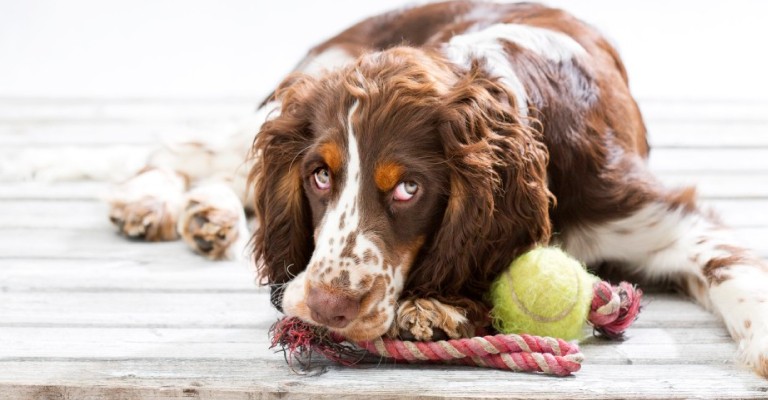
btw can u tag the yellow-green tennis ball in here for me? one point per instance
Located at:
(544, 292)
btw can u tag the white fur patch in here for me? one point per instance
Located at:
(462, 49)
(552, 45)
(487, 44)
(329, 60)
(161, 183)
(659, 242)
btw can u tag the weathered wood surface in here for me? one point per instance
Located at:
(86, 314)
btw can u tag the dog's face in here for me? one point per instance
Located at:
(368, 168)
(374, 179)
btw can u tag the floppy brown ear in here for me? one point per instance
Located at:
(282, 242)
(499, 202)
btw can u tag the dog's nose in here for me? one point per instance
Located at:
(330, 309)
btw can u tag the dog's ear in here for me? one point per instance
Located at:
(282, 242)
(499, 201)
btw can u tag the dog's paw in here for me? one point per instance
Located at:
(428, 319)
(147, 206)
(149, 218)
(213, 223)
(753, 348)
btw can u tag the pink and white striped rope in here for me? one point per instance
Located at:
(521, 353)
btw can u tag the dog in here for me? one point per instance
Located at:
(407, 160)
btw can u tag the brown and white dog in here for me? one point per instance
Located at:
(409, 159)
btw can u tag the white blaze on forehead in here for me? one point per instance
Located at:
(488, 45)
(346, 206)
(341, 224)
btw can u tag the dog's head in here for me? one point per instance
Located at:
(398, 171)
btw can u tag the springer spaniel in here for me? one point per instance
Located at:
(409, 159)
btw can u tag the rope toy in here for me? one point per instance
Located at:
(520, 353)
(613, 309)
(525, 344)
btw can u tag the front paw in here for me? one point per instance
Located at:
(428, 319)
(754, 351)
(148, 218)
(147, 205)
(213, 223)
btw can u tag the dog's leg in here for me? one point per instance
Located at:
(147, 205)
(673, 239)
(213, 222)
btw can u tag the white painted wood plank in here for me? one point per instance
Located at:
(15, 111)
(135, 309)
(704, 134)
(86, 133)
(740, 213)
(196, 275)
(247, 379)
(100, 244)
(73, 215)
(706, 110)
(31, 190)
(752, 160)
(72, 162)
(721, 185)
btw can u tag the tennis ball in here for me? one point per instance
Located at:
(544, 292)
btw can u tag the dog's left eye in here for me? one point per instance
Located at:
(405, 191)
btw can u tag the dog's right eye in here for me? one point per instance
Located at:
(322, 178)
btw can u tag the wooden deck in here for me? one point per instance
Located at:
(85, 314)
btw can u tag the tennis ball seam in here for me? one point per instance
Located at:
(541, 318)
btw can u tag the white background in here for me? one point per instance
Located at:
(710, 50)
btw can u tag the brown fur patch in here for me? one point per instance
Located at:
(683, 198)
(149, 218)
(365, 281)
(762, 366)
(342, 281)
(387, 175)
(714, 269)
(332, 155)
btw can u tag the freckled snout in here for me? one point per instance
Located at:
(332, 309)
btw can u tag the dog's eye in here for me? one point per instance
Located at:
(323, 178)
(406, 190)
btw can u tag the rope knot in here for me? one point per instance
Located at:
(614, 308)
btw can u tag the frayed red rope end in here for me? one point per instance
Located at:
(614, 308)
(299, 340)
